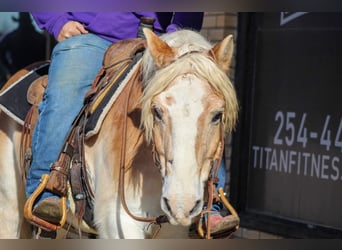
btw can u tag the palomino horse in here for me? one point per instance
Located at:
(174, 116)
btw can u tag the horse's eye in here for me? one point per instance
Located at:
(217, 118)
(157, 113)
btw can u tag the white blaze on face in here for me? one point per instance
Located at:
(184, 112)
(183, 102)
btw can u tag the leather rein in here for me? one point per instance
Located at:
(153, 220)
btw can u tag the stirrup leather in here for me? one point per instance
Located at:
(48, 226)
(201, 231)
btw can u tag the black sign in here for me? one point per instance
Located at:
(294, 157)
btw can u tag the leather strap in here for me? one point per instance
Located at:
(153, 220)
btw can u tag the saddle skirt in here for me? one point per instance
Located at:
(24, 89)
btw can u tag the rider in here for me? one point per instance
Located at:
(83, 38)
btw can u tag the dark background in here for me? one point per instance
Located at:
(290, 67)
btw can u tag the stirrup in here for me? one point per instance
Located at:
(48, 226)
(230, 208)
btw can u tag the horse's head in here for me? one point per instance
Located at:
(188, 105)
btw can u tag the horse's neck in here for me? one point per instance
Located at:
(138, 156)
(120, 145)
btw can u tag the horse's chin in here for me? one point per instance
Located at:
(180, 222)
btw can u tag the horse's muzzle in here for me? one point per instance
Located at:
(181, 212)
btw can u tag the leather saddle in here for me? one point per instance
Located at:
(31, 82)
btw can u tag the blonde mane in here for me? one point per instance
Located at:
(156, 80)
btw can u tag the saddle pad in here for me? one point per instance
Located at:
(95, 120)
(13, 100)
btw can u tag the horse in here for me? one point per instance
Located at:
(166, 129)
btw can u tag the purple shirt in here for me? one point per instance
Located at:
(115, 26)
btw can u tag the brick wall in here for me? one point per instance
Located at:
(216, 26)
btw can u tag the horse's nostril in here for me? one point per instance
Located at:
(195, 208)
(167, 204)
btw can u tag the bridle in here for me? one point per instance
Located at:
(215, 163)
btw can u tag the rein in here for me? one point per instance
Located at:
(153, 220)
(211, 182)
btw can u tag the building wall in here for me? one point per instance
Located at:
(216, 26)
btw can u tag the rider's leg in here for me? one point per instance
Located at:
(219, 223)
(74, 64)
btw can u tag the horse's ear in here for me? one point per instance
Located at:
(223, 52)
(161, 52)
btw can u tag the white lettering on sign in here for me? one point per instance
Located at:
(294, 133)
(291, 154)
(320, 166)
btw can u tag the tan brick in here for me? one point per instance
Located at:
(221, 21)
(209, 22)
(216, 35)
(230, 20)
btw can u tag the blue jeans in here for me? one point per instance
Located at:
(74, 64)
(221, 175)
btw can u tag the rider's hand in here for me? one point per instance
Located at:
(71, 28)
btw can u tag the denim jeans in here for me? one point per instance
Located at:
(221, 175)
(74, 65)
